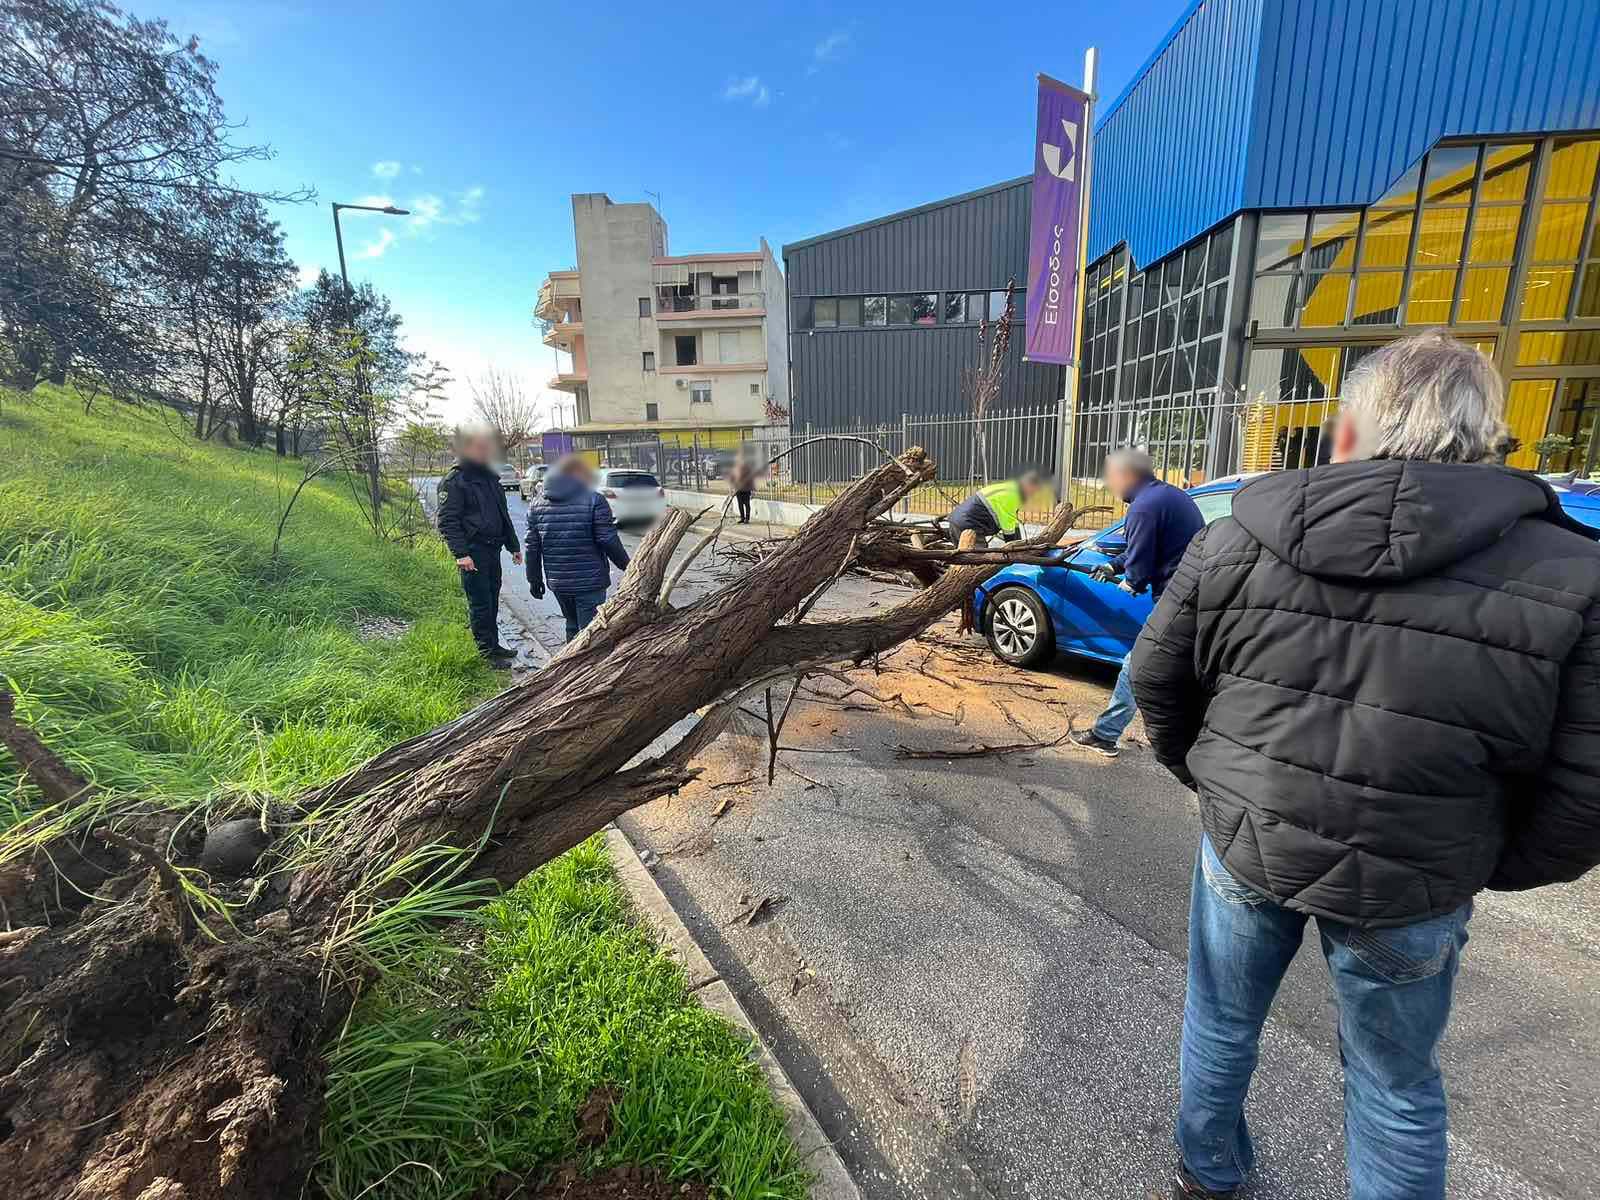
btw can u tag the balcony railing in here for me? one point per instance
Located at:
(739, 304)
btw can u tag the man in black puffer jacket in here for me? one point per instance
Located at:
(572, 539)
(1382, 678)
(476, 525)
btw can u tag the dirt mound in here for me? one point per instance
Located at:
(620, 1183)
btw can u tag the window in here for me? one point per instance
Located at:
(684, 347)
(700, 391)
(997, 304)
(825, 313)
(649, 360)
(977, 303)
(955, 308)
(728, 346)
(652, 412)
(755, 389)
(917, 308)
(849, 311)
(802, 313)
(874, 310)
(644, 306)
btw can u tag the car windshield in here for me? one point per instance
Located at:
(627, 479)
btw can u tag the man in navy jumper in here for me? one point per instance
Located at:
(1160, 522)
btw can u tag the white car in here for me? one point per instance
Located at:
(533, 480)
(635, 496)
(508, 476)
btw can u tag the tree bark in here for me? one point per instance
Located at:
(150, 1050)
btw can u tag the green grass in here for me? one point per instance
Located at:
(155, 642)
(474, 1059)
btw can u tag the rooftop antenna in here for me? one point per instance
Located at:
(661, 211)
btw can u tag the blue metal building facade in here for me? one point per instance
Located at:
(1260, 104)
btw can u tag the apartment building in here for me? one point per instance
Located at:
(672, 349)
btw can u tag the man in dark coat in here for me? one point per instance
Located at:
(572, 542)
(476, 525)
(1382, 678)
(1157, 528)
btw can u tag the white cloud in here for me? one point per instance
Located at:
(829, 49)
(378, 246)
(385, 169)
(308, 274)
(430, 209)
(748, 87)
(370, 202)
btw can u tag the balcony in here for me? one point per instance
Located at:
(557, 293)
(568, 381)
(560, 335)
(701, 308)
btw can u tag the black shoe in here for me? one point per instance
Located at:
(1090, 740)
(1185, 1187)
(500, 652)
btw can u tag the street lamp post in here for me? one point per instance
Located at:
(338, 235)
(371, 454)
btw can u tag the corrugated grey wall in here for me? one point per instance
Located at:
(872, 375)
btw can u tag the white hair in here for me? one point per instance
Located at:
(1428, 397)
(1131, 459)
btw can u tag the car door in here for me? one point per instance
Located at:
(1100, 619)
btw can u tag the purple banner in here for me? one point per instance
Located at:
(1059, 176)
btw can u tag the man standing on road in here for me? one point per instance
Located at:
(742, 479)
(1382, 677)
(1160, 522)
(475, 524)
(993, 511)
(571, 537)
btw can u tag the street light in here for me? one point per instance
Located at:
(338, 234)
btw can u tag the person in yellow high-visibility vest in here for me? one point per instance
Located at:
(993, 511)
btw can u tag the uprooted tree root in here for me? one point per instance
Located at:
(160, 1031)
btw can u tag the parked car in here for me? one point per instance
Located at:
(635, 496)
(1029, 613)
(533, 480)
(509, 479)
(1580, 497)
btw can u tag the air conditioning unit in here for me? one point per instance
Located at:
(683, 383)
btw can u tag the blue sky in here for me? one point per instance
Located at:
(760, 119)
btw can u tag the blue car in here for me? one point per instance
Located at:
(1028, 613)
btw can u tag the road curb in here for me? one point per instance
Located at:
(832, 1182)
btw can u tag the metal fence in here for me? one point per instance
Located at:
(1190, 441)
(1194, 440)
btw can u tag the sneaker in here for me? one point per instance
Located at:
(1090, 740)
(500, 652)
(1186, 1187)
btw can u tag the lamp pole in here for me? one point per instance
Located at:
(371, 452)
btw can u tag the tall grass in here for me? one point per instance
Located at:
(153, 639)
(474, 1059)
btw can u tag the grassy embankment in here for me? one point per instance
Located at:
(153, 640)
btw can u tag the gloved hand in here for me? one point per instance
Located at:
(1103, 573)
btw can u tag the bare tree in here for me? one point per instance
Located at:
(981, 384)
(162, 1026)
(502, 405)
(110, 129)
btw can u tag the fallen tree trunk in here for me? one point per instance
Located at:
(161, 1029)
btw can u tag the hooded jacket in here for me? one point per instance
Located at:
(1383, 680)
(571, 537)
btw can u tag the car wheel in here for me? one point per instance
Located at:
(1018, 628)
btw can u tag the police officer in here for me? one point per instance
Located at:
(992, 511)
(475, 524)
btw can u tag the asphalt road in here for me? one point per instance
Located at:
(974, 970)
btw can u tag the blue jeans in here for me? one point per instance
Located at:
(1394, 988)
(579, 608)
(1119, 713)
